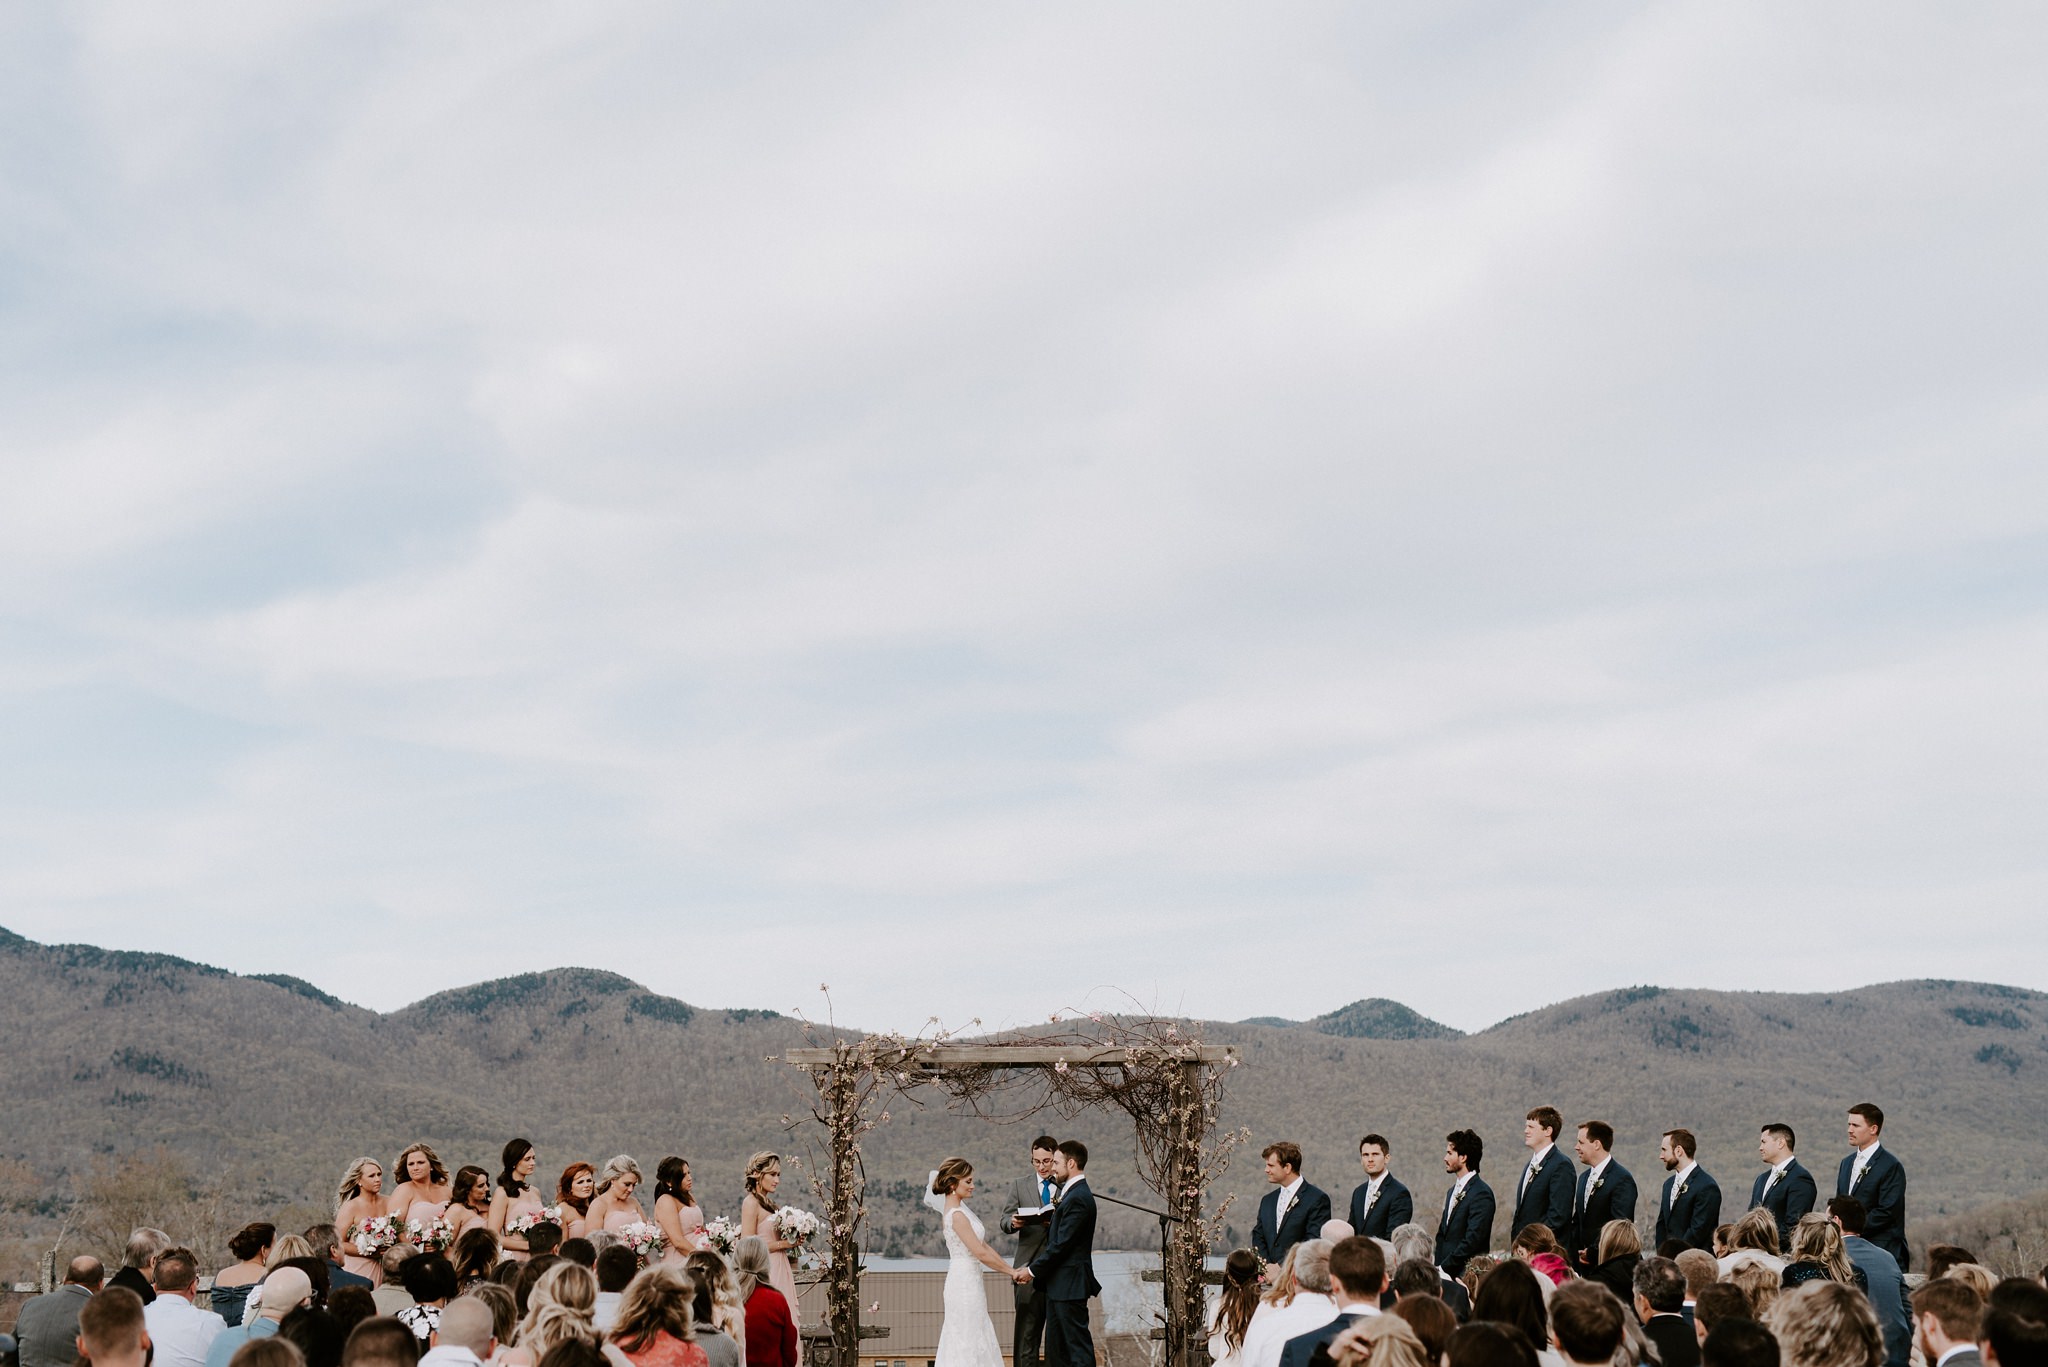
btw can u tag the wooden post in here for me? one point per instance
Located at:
(1186, 1299)
(842, 1289)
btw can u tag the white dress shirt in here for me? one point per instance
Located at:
(1777, 1174)
(181, 1331)
(1535, 1158)
(1372, 1192)
(1680, 1178)
(1287, 1194)
(1863, 1160)
(1272, 1325)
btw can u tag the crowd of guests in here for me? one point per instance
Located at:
(298, 1300)
(1793, 1282)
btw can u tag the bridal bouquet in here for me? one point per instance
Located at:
(523, 1225)
(645, 1239)
(723, 1235)
(796, 1226)
(372, 1236)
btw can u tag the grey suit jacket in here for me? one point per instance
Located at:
(48, 1331)
(1022, 1194)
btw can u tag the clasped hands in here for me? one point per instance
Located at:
(1020, 1275)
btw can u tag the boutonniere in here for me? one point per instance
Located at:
(1290, 1203)
(1456, 1197)
(1681, 1189)
(1861, 1173)
(1534, 1168)
(1597, 1183)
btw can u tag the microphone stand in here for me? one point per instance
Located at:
(1167, 1219)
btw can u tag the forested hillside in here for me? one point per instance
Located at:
(150, 1080)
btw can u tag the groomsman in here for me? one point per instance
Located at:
(1691, 1204)
(1878, 1180)
(1380, 1204)
(1031, 1193)
(1294, 1210)
(1606, 1191)
(1785, 1187)
(1543, 1196)
(1465, 1229)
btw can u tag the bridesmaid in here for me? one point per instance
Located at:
(764, 1175)
(469, 1202)
(361, 1198)
(615, 1206)
(676, 1209)
(572, 1193)
(423, 1185)
(515, 1196)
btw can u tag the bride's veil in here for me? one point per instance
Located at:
(931, 1198)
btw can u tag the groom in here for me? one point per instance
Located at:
(1065, 1267)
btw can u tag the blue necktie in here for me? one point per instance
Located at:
(1045, 1191)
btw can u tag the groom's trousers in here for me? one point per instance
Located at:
(1067, 1340)
(1030, 1329)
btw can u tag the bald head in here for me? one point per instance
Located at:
(285, 1290)
(467, 1322)
(86, 1271)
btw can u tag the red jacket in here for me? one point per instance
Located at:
(771, 1329)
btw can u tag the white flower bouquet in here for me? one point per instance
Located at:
(796, 1226)
(372, 1236)
(645, 1239)
(433, 1237)
(723, 1235)
(523, 1225)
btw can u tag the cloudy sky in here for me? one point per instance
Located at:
(993, 506)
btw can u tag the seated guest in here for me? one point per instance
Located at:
(1659, 1302)
(138, 1262)
(1976, 1276)
(504, 1310)
(1375, 1341)
(581, 1252)
(558, 1309)
(283, 1291)
(390, 1293)
(1480, 1344)
(326, 1246)
(1818, 1255)
(1476, 1272)
(1433, 1323)
(380, 1342)
(1945, 1318)
(1335, 1231)
(463, 1335)
(1299, 1301)
(2014, 1331)
(1358, 1275)
(1825, 1324)
(1721, 1301)
(111, 1332)
(475, 1256)
(1701, 1271)
(1753, 1238)
(1513, 1294)
(350, 1306)
(1739, 1343)
(1618, 1254)
(1586, 1324)
(1882, 1280)
(250, 1246)
(1413, 1244)
(46, 1331)
(720, 1348)
(1236, 1303)
(1942, 1257)
(316, 1333)
(771, 1320)
(430, 1280)
(616, 1267)
(1294, 1210)
(180, 1333)
(656, 1326)
(1759, 1284)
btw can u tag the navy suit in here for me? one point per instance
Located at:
(1301, 1349)
(1546, 1198)
(1793, 1196)
(1393, 1208)
(1885, 1286)
(1690, 1216)
(1591, 1210)
(1883, 1194)
(1065, 1267)
(1277, 1230)
(1466, 1228)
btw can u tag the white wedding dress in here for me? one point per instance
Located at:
(967, 1336)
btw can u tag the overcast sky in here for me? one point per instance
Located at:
(1248, 506)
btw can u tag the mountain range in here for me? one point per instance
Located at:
(264, 1088)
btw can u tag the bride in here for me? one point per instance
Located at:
(967, 1337)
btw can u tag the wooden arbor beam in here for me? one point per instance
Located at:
(1011, 1056)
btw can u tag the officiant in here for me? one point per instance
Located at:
(1027, 1213)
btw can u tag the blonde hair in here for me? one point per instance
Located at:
(352, 1181)
(288, 1246)
(728, 1312)
(1815, 1239)
(615, 1168)
(1826, 1324)
(656, 1301)
(950, 1175)
(1758, 1229)
(1759, 1282)
(1619, 1237)
(1978, 1277)
(559, 1308)
(757, 1166)
(750, 1262)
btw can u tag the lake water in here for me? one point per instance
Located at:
(1129, 1306)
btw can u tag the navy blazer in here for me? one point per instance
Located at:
(1275, 1232)
(1691, 1215)
(1394, 1208)
(1883, 1194)
(1591, 1210)
(1793, 1196)
(1301, 1349)
(1465, 1229)
(1066, 1265)
(1547, 1198)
